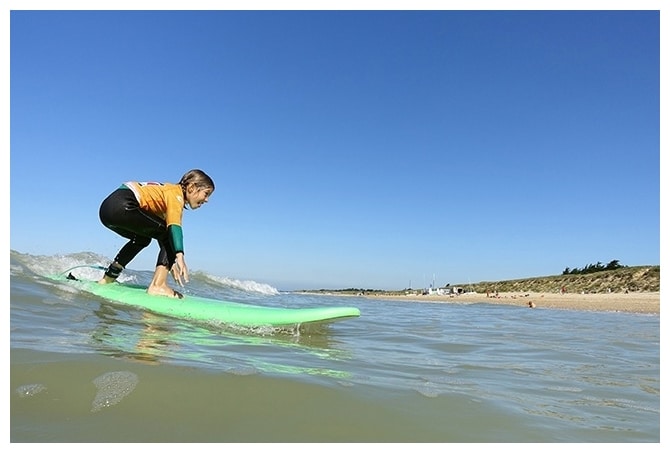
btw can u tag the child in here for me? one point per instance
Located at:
(140, 211)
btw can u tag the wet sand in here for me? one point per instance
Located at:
(632, 302)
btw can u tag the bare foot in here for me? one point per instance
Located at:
(105, 280)
(164, 291)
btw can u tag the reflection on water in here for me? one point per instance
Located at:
(151, 338)
(146, 339)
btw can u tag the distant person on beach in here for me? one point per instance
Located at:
(141, 211)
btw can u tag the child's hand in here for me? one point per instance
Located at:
(179, 270)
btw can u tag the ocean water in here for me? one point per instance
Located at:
(85, 370)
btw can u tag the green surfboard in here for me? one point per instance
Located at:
(203, 309)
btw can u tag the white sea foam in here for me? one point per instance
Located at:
(112, 388)
(245, 285)
(30, 390)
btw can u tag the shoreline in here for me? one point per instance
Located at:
(642, 302)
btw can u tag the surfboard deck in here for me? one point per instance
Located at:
(208, 310)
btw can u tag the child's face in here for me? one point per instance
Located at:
(197, 196)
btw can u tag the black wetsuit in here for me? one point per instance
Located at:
(121, 213)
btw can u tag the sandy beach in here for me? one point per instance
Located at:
(648, 302)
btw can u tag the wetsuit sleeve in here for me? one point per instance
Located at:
(177, 238)
(173, 217)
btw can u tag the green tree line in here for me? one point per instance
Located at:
(591, 268)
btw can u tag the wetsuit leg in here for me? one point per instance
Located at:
(166, 255)
(121, 213)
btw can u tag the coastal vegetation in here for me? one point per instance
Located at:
(620, 280)
(591, 268)
(612, 278)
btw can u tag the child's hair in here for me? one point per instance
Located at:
(197, 177)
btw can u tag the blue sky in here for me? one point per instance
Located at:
(371, 149)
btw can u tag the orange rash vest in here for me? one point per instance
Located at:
(165, 201)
